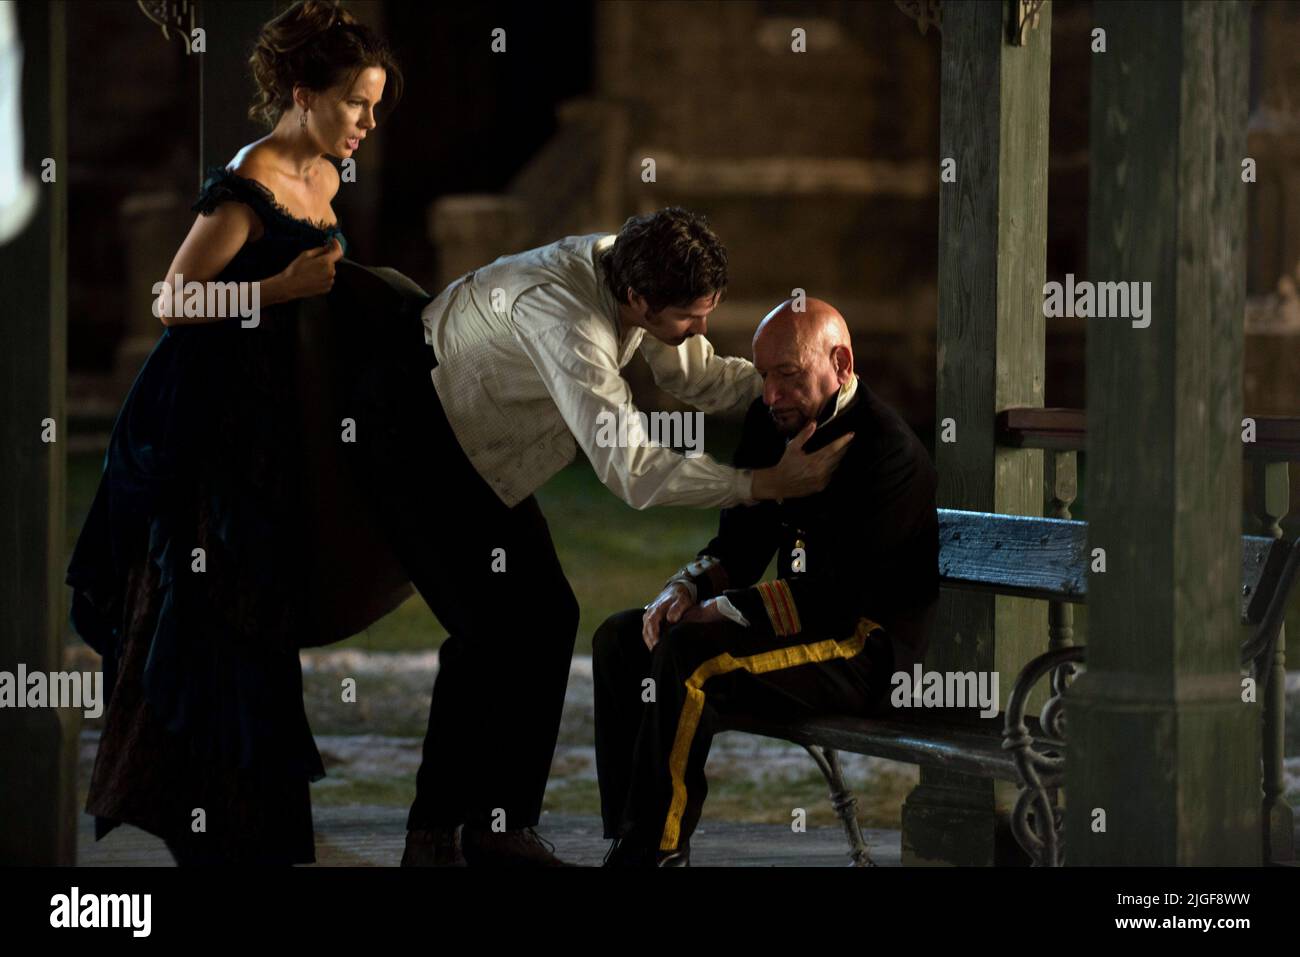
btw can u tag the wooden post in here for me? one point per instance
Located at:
(992, 266)
(1164, 762)
(38, 746)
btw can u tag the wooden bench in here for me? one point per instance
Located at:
(1037, 558)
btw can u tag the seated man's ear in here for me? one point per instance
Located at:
(842, 360)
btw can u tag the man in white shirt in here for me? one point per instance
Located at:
(454, 440)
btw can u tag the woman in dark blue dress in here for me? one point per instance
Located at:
(192, 575)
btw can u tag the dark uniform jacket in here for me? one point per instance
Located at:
(865, 546)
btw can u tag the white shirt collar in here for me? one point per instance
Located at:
(844, 398)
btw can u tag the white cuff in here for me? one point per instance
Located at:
(744, 487)
(730, 611)
(689, 586)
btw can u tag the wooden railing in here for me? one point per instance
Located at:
(1277, 438)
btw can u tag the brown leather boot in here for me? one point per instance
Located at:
(518, 848)
(438, 847)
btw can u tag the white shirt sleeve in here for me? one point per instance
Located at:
(575, 354)
(726, 385)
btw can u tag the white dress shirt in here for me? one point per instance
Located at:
(529, 352)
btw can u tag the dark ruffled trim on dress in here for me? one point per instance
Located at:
(223, 185)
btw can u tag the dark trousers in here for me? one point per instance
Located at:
(650, 755)
(503, 670)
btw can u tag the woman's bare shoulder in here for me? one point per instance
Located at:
(253, 162)
(233, 212)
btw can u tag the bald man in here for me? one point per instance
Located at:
(853, 600)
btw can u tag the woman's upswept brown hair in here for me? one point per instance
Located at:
(316, 44)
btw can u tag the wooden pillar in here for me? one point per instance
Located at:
(1163, 751)
(992, 265)
(38, 746)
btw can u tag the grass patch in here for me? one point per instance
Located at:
(572, 797)
(349, 792)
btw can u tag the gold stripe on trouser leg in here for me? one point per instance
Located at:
(775, 660)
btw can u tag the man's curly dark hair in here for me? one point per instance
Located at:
(670, 257)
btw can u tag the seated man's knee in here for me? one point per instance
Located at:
(688, 640)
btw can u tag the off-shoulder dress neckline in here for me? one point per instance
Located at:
(265, 192)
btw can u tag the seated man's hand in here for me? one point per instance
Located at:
(800, 473)
(670, 605)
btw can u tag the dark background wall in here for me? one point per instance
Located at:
(819, 170)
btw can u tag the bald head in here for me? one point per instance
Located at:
(818, 326)
(804, 357)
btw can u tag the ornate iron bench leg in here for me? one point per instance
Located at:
(843, 801)
(1037, 821)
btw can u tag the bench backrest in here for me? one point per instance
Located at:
(1048, 558)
